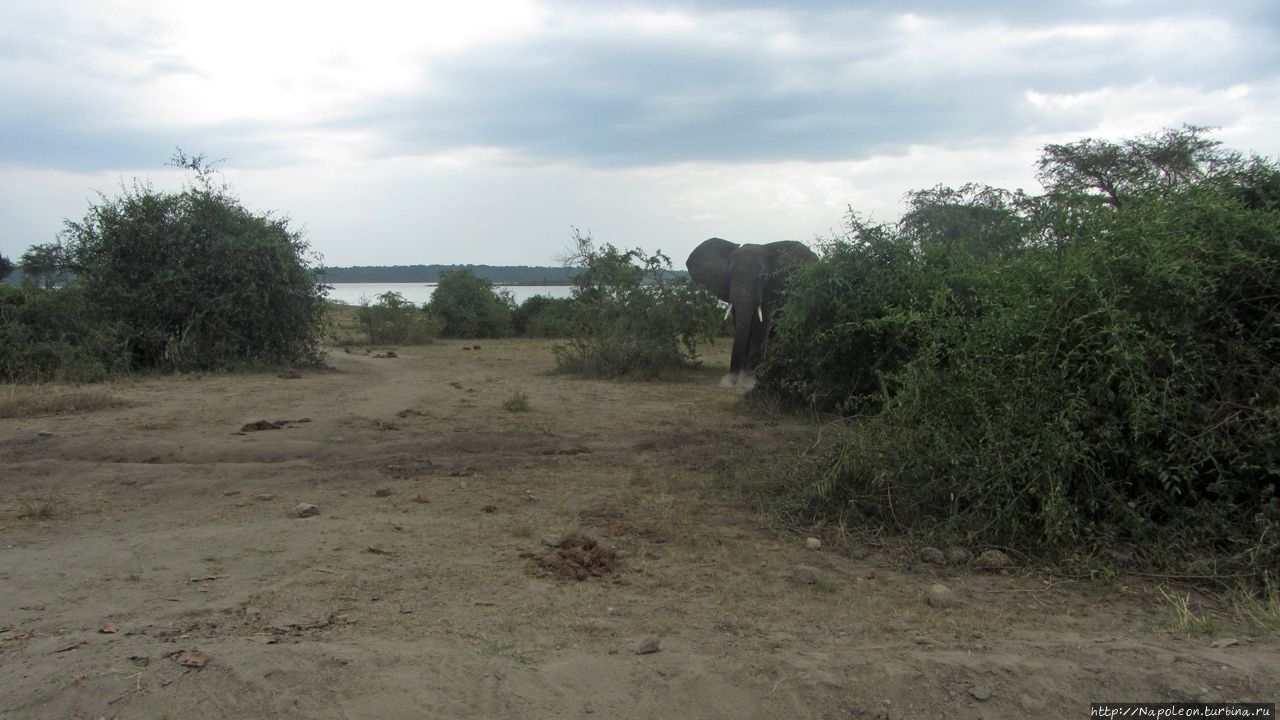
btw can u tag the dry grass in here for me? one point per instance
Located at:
(519, 402)
(344, 326)
(34, 401)
(36, 509)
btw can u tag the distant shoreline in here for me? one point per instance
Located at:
(497, 274)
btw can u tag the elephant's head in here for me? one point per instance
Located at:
(751, 279)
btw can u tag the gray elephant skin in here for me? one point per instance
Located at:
(751, 278)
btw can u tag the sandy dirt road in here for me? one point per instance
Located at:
(416, 591)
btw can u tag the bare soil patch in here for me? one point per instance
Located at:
(407, 593)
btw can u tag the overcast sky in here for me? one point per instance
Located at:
(483, 131)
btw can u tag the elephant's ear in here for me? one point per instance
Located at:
(784, 257)
(709, 266)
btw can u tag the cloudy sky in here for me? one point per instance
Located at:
(483, 131)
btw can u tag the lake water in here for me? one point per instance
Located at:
(419, 293)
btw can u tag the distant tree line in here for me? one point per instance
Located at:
(501, 274)
(496, 274)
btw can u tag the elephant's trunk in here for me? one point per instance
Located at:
(748, 328)
(743, 319)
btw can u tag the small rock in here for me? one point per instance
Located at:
(932, 555)
(552, 541)
(653, 555)
(813, 543)
(992, 560)
(804, 575)
(382, 492)
(264, 496)
(307, 510)
(475, 347)
(108, 628)
(958, 556)
(422, 498)
(980, 692)
(941, 596)
(648, 647)
(391, 354)
(1225, 642)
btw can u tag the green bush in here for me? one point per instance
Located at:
(545, 317)
(1112, 378)
(633, 319)
(469, 307)
(394, 320)
(57, 335)
(192, 279)
(859, 315)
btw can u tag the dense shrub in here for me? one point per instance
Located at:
(545, 317)
(394, 320)
(859, 315)
(56, 335)
(633, 319)
(192, 279)
(1112, 377)
(469, 307)
(6, 267)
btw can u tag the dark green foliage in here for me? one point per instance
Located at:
(469, 307)
(191, 280)
(1111, 377)
(394, 320)
(47, 265)
(57, 335)
(633, 319)
(859, 314)
(541, 316)
(6, 267)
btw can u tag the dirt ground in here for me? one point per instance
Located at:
(154, 564)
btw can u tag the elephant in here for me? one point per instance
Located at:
(751, 279)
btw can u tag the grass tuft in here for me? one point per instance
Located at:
(519, 402)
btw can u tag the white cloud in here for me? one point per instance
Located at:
(481, 131)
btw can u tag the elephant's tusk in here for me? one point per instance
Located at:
(727, 312)
(760, 312)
